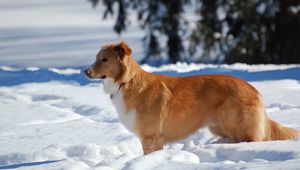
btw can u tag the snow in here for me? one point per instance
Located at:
(160, 158)
(52, 117)
(65, 125)
(55, 33)
(68, 71)
(184, 67)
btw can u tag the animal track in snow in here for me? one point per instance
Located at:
(223, 152)
(44, 97)
(86, 110)
(278, 106)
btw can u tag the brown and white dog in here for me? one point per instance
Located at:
(161, 109)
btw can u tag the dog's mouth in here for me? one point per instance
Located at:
(102, 77)
(88, 73)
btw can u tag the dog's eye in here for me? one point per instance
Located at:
(104, 60)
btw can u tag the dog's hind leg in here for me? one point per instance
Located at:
(246, 124)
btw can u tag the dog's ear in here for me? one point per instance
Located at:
(123, 49)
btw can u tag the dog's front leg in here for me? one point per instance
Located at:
(152, 143)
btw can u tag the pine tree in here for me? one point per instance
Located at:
(284, 28)
(158, 18)
(248, 31)
(261, 31)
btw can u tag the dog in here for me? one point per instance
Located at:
(160, 109)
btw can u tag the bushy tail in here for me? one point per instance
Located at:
(274, 131)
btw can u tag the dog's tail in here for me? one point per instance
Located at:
(274, 131)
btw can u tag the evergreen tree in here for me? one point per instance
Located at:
(248, 31)
(121, 21)
(158, 18)
(284, 28)
(261, 31)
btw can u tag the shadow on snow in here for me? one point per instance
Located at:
(28, 164)
(9, 78)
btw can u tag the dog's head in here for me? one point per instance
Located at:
(109, 62)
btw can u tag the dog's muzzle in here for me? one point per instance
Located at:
(88, 73)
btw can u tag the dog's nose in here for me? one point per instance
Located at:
(87, 72)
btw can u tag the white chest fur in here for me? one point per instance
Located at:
(128, 119)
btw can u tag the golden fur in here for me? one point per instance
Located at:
(172, 108)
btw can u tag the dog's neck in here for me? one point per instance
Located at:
(130, 69)
(131, 77)
(111, 87)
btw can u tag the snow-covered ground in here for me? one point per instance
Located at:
(57, 33)
(66, 123)
(52, 117)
